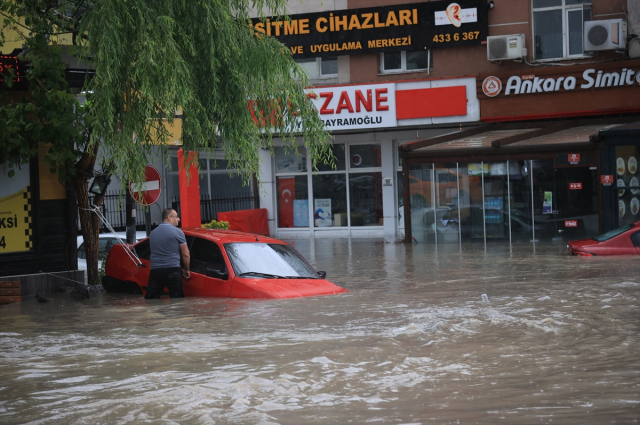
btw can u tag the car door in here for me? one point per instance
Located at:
(207, 270)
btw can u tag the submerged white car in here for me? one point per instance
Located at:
(105, 242)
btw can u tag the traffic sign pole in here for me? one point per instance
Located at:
(130, 206)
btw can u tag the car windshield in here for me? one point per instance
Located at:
(612, 233)
(268, 260)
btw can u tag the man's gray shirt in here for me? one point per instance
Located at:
(165, 243)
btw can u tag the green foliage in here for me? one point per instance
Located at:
(238, 89)
(48, 112)
(201, 57)
(152, 58)
(215, 224)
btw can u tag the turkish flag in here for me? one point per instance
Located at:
(286, 195)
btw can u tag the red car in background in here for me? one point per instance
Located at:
(225, 263)
(624, 240)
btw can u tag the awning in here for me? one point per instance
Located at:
(506, 139)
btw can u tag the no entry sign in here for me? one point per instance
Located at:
(149, 190)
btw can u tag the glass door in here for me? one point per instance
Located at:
(565, 202)
(423, 220)
(577, 203)
(496, 214)
(447, 203)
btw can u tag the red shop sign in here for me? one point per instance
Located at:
(606, 178)
(571, 223)
(575, 185)
(6, 63)
(574, 158)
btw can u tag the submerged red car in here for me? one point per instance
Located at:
(624, 240)
(225, 263)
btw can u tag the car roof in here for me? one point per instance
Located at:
(227, 236)
(140, 235)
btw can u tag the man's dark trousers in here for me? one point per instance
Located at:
(170, 277)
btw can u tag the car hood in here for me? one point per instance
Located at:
(290, 288)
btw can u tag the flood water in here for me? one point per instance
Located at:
(423, 337)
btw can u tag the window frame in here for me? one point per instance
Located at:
(319, 74)
(196, 263)
(403, 64)
(206, 170)
(347, 172)
(566, 9)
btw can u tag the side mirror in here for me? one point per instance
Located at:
(322, 275)
(218, 274)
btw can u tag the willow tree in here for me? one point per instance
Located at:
(238, 88)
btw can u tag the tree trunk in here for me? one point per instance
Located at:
(89, 221)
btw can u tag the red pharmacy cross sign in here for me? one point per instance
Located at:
(575, 186)
(147, 192)
(571, 223)
(574, 157)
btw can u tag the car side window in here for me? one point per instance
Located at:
(81, 251)
(635, 238)
(104, 246)
(206, 255)
(189, 241)
(143, 250)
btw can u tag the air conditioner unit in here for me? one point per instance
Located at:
(506, 47)
(610, 34)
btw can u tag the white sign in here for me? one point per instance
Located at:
(356, 107)
(456, 16)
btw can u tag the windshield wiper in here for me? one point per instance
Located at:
(301, 277)
(265, 275)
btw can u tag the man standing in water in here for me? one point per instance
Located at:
(168, 245)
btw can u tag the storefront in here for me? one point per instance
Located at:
(523, 180)
(359, 196)
(620, 192)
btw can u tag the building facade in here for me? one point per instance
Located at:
(473, 121)
(416, 93)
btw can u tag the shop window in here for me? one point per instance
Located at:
(365, 193)
(216, 178)
(400, 198)
(627, 177)
(319, 67)
(329, 200)
(365, 156)
(290, 161)
(293, 201)
(339, 161)
(419, 60)
(558, 28)
(339, 197)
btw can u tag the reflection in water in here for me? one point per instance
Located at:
(554, 340)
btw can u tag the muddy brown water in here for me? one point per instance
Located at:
(555, 340)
